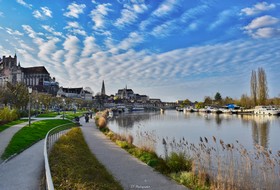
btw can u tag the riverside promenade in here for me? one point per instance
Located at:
(129, 171)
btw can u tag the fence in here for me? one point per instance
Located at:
(51, 137)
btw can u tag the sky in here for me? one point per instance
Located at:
(167, 49)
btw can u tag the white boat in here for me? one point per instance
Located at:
(266, 110)
(137, 109)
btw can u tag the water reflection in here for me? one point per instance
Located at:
(249, 130)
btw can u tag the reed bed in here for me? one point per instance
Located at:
(230, 166)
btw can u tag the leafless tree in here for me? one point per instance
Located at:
(262, 86)
(254, 87)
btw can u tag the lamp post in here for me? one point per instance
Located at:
(29, 92)
(63, 107)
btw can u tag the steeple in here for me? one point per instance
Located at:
(103, 89)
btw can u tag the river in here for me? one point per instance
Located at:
(150, 128)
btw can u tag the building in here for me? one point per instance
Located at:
(36, 77)
(74, 93)
(126, 94)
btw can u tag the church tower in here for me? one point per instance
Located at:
(103, 89)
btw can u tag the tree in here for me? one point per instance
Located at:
(218, 98)
(208, 100)
(262, 86)
(245, 101)
(254, 87)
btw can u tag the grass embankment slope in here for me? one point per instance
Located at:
(7, 125)
(73, 166)
(27, 136)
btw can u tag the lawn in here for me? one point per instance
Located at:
(7, 125)
(27, 136)
(50, 114)
(73, 166)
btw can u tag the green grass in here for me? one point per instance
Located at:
(27, 136)
(73, 166)
(7, 125)
(50, 114)
(71, 115)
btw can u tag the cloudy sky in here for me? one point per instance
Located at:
(168, 49)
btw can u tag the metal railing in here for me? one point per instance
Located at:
(52, 136)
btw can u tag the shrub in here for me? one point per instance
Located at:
(102, 122)
(179, 162)
(7, 114)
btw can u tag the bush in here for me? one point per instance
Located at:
(102, 122)
(7, 114)
(179, 162)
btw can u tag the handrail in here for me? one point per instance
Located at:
(49, 182)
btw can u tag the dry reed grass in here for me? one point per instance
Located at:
(231, 166)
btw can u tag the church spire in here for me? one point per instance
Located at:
(103, 89)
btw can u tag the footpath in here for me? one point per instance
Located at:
(129, 171)
(6, 136)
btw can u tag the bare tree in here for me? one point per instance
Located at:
(262, 86)
(254, 87)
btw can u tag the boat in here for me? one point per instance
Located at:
(137, 109)
(266, 110)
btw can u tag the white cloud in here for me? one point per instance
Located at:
(13, 32)
(74, 10)
(222, 18)
(98, 15)
(261, 22)
(167, 7)
(263, 27)
(75, 28)
(90, 47)
(258, 8)
(22, 2)
(266, 33)
(44, 13)
(130, 14)
(164, 29)
(133, 39)
(51, 30)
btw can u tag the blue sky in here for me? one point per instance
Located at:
(168, 49)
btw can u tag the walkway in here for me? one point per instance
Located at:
(132, 173)
(24, 171)
(6, 136)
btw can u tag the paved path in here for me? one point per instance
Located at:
(23, 172)
(6, 136)
(132, 173)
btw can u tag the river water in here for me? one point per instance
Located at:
(150, 128)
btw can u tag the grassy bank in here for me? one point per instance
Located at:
(73, 166)
(49, 114)
(7, 125)
(27, 136)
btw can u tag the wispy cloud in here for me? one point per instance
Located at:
(90, 47)
(258, 8)
(98, 15)
(1, 14)
(75, 28)
(52, 30)
(13, 32)
(22, 2)
(262, 22)
(74, 10)
(223, 17)
(167, 7)
(130, 14)
(43, 13)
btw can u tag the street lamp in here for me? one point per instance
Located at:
(29, 92)
(63, 107)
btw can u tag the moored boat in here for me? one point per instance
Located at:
(266, 110)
